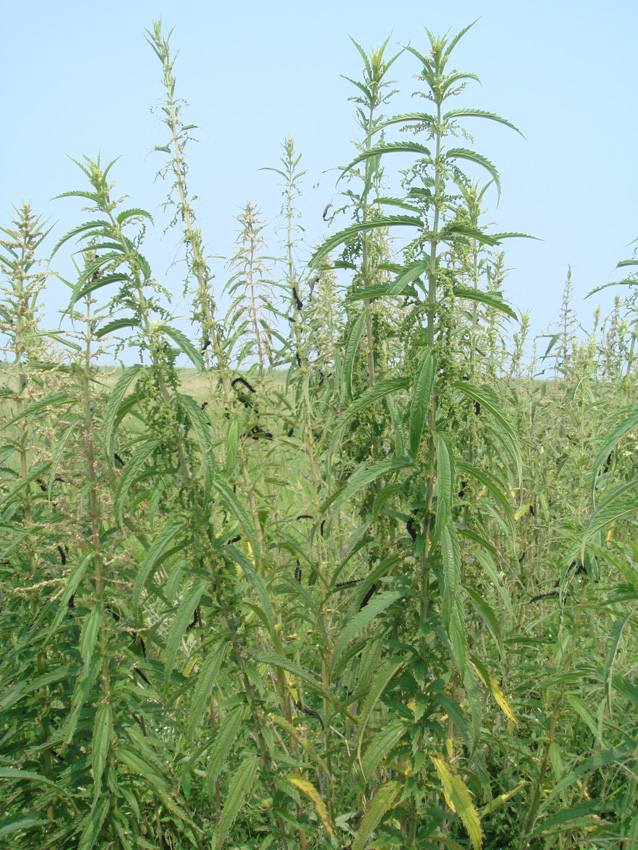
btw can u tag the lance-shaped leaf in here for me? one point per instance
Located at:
(112, 414)
(380, 745)
(452, 154)
(180, 622)
(350, 350)
(131, 473)
(479, 113)
(272, 659)
(389, 147)
(380, 682)
(72, 582)
(223, 742)
(116, 325)
(21, 823)
(459, 800)
(348, 234)
(421, 394)
(309, 790)
(81, 291)
(153, 557)
(257, 583)
(354, 626)
(204, 687)
(408, 276)
(102, 727)
(363, 476)
(382, 801)
(372, 394)
(485, 397)
(93, 823)
(240, 786)
(623, 428)
(185, 345)
(298, 733)
(494, 688)
(491, 299)
(231, 501)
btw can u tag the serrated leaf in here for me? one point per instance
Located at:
(309, 790)
(494, 688)
(381, 743)
(382, 801)
(73, 580)
(408, 276)
(623, 428)
(421, 394)
(133, 213)
(485, 397)
(153, 556)
(21, 823)
(452, 154)
(185, 345)
(240, 786)
(348, 234)
(375, 607)
(487, 614)
(372, 394)
(93, 823)
(363, 476)
(491, 299)
(112, 412)
(272, 658)
(225, 738)
(350, 350)
(459, 800)
(102, 727)
(479, 113)
(299, 735)
(116, 325)
(204, 687)
(257, 584)
(379, 683)
(180, 622)
(84, 289)
(131, 473)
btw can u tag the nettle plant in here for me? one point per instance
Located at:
(277, 611)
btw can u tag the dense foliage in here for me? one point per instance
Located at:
(364, 574)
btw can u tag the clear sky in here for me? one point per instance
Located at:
(79, 78)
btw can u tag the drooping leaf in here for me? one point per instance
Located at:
(185, 345)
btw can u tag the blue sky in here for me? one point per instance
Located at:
(79, 78)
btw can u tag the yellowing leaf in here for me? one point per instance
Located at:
(312, 794)
(494, 688)
(522, 510)
(459, 800)
(379, 805)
